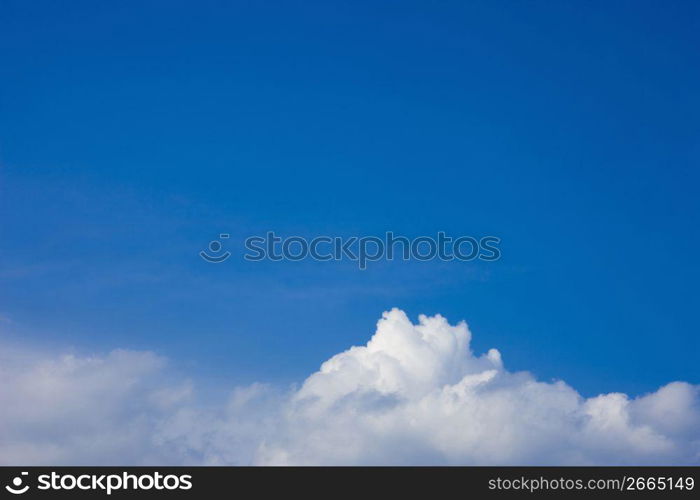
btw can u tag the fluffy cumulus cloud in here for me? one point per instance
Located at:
(415, 394)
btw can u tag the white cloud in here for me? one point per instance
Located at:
(415, 394)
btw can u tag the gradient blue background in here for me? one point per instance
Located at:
(133, 133)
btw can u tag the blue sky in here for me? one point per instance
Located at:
(132, 134)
